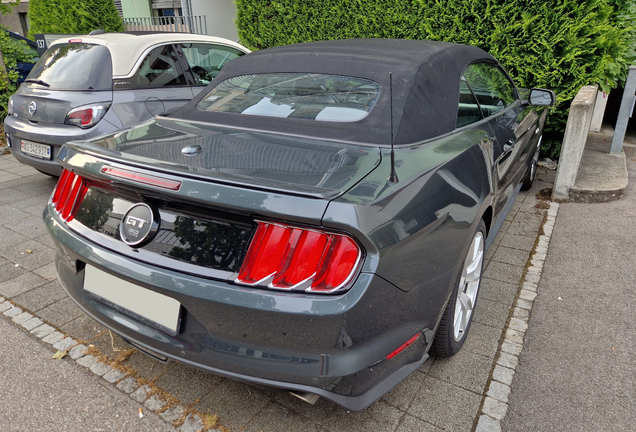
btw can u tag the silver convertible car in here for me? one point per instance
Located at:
(315, 220)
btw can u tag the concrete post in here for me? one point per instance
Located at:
(576, 131)
(625, 112)
(599, 111)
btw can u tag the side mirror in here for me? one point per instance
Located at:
(541, 97)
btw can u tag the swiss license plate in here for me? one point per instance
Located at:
(156, 310)
(41, 151)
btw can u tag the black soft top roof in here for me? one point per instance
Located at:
(425, 77)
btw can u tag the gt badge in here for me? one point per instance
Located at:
(139, 225)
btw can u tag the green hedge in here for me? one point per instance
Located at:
(556, 44)
(72, 16)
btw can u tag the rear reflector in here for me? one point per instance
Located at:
(69, 193)
(142, 178)
(404, 346)
(292, 258)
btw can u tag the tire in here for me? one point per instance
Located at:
(458, 314)
(528, 180)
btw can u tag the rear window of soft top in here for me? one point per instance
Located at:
(75, 66)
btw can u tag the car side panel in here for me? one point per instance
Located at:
(418, 229)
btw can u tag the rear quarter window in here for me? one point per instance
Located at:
(75, 66)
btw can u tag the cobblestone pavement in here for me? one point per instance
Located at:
(466, 392)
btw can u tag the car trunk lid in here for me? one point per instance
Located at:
(255, 160)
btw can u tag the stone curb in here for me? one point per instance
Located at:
(495, 401)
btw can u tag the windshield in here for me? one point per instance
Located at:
(294, 95)
(76, 66)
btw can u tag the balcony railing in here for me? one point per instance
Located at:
(179, 24)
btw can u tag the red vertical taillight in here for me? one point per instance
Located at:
(68, 195)
(285, 257)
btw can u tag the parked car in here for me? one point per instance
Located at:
(92, 85)
(28, 59)
(306, 222)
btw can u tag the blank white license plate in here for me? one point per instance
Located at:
(149, 305)
(41, 151)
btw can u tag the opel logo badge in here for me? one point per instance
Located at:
(139, 225)
(33, 107)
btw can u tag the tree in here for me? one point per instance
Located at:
(72, 16)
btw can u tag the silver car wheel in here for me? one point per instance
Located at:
(468, 286)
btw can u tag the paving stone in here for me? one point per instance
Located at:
(47, 271)
(78, 351)
(65, 344)
(504, 272)
(32, 323)
(514, 336)
(402, 395)
(276, 418)
(412, 424)
(236, 403)
(491, 313)
(483, 340)
(512, 256)
(200, 383)
(154, 403)
(488, 424)
(100, 369)
(23, 283)
(172, 414)
(40, 255)
(445, 405)
(524, 304)
(61, 312)
(113, 376)
(518, 242)
(9, 271)
(529, 286)
(192, 423)
(494, 408)
(539, 256)
(527, 295)
(141, 394)
(41, 297)
(5, 306)
(87, 361)
(53, 338)
(498, 291)
(498, 391)
(128, 385)
(503, 375)
(511, 347)
(518, 325)
(508, 360)
(534, 278)
(532, 270)
(465, 369)
(83, 328)
(378, 417)
(15, 311)
(42, 331)
(523, 314)
(23, 317)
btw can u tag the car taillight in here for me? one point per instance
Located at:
(292, 258)
(69, 193)
(86, 116)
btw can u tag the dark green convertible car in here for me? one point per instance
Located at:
(315, 220)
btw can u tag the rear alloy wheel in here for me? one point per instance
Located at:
(528, 180)
(458, 315)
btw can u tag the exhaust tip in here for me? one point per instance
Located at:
(310, 398)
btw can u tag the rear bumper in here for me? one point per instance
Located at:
(53, 135)
(333, 346)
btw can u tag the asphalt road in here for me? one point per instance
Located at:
(577, 371)
(38, 393)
